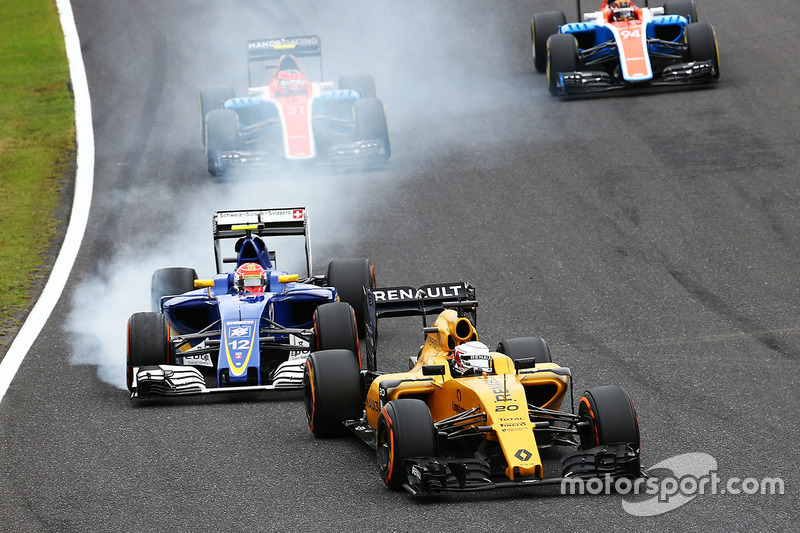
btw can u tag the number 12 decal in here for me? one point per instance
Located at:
(241, 344)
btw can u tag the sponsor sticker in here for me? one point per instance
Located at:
(198, 360)
(300, 343)
(400, 294)
(311, 40)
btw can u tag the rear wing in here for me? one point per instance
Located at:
(579, 8)
(265, 53)
(409, 301)
(273, 222)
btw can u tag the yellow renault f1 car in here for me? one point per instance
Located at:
(464, 418)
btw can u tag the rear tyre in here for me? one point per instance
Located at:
(332, 392)
(370, 124)
(612, 417)
(562, 56)
(211, 98)
(685, 8)
(335, 329)
(526, 347)
(363, 83)
(405, 429)
(170, 282)
(222, 132)
(350, 277)
(543, 26)
(702, 44)
(148, 342)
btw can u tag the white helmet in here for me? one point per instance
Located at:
(472, 355)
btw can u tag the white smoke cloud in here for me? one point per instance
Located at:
(426, 64)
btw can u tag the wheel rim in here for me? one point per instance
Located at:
(308, 396)
(385, 450)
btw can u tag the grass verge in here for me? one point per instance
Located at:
(37, 147)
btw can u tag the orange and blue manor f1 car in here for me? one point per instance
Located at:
(250, 329)
(464, 417)
(289, 116)
(622, 45)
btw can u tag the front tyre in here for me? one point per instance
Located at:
(369, 115)
(701, 41)
(562, 56)
(148, 342)
(331, 392)
(405, 429)
(611, 416)
(222, 133)
(212, 98)
(335, 329)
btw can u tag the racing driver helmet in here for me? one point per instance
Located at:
(622, 10)
(291, 81)
(251, 278)
(472, 356)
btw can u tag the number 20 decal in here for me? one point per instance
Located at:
(501, 408)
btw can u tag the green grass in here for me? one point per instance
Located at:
(37, 143)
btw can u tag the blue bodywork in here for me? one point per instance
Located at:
(259, 119)
(660, 31)
(237, 319)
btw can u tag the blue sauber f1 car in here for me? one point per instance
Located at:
(623, 46)
(250, 329)
(286, 116)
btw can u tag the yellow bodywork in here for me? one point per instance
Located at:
(500, 395)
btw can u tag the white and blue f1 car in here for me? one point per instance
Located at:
(286, 116)
(250, 329)
(623, 45)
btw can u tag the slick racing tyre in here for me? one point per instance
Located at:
(702, 44)
(685, 8)
(370, 124)
(148, 342)
(349, 277)
(611, 416)
(526, 347)
(211, 98)
(543, 26)
(222, 132)
(335, 329)
(405, 429)
(170, 282)
(562, 56)
(331, 392)
(362, 83)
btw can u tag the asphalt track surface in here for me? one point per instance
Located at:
(652, 239)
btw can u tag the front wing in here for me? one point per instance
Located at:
(428, 475)
(581, 82)
(178, 380)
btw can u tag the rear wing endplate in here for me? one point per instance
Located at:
(409, 301)
(272, 222)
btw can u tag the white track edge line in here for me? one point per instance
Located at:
(81, 201)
